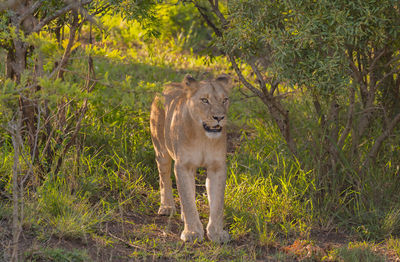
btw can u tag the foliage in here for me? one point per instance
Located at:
(103, 196)
(142, 11)
(307, 41)
(182, 23)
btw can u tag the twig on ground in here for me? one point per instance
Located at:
(124, 241)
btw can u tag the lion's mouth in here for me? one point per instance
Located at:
(214, 129)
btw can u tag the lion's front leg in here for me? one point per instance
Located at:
(186, 187)
(215, 184)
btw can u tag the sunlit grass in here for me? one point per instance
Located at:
(355, 252)
(394, 244)
(57, 254)
(267, 195)
(65, 213)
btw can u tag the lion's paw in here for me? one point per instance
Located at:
(166, 210)
(219, 237)
(192, 236)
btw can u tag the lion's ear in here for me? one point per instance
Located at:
(226, 82)
(188, 80)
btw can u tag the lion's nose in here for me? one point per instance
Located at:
(218, 118)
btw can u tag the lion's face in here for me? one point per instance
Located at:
(208, 104)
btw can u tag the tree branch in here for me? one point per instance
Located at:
(30, 11)
(260, 78)
(243, 79)
(71, 40)
(350, 117)
(74, 5)
(14, 129)
(392, 72)
(357, 74)
(207, 19)
(274, 86)
(371, 158)
(218, 13)
(375, 60)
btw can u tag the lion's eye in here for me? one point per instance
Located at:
(225, 100)
(205, 100)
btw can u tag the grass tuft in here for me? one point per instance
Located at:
(355, 252)
(67, 214)
(57, 255)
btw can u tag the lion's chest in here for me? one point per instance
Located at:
(201, 153)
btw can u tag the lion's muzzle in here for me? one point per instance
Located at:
(214, 129)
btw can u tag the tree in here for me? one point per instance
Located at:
(43, 102)
(34, 65)
(342, 54)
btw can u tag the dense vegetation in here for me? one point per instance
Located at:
(314, 139)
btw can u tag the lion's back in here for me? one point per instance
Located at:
(164, 106)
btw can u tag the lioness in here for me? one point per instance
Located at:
(187, 125)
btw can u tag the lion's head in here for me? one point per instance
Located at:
(208, 103)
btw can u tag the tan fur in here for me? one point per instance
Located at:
(177, 128)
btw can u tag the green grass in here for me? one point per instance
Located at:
(394, 245)
(67, 214)
(274, 189)
(57, 254)
(357, 252)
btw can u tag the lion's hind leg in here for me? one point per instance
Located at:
(167, 206)
(163, 159)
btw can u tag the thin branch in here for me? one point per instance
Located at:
(360, 65)
(392, 72)
(375, 60)
(333, 116)
(260, 78)
(218, 13)
(371, 158)
(395, 59)
(72, 6)
(88, 87)
(80, 75)
(30, 11)
(128, 243)
(349, 122)
(270, 101)
(71, 141)
(243, 79)
(15, 130)
(48, 120)
(36, 135)
(202, 12)
(318, 110)
(71, 40)
(245, 95)
(357, 74)
(91, 17)
(274, 86)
